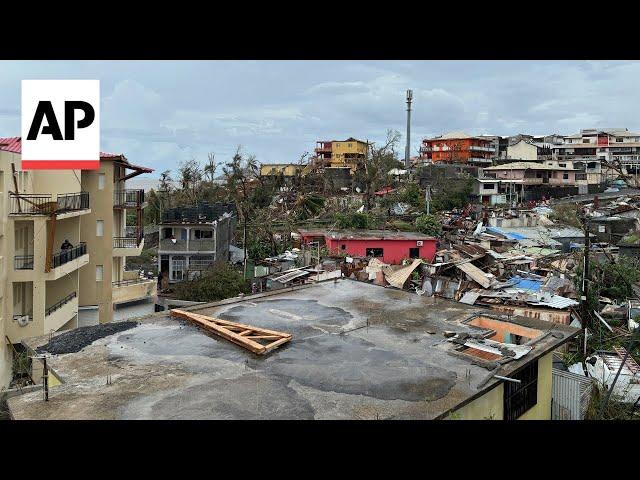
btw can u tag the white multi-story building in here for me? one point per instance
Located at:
(597, 149)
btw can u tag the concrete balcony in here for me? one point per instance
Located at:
(128, 246)
(482, 149)
(131, 290)
(62, 263)
(61, 312)
(193, 245)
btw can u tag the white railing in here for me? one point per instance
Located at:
(482, 149)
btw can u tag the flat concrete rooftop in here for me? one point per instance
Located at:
(359, 351)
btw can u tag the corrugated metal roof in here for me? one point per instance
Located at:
(14, 144)
(287, 277)
(397, 278)
(476, 274)
(557, 301)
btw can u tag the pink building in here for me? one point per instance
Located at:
(523, 181)
(390, 247)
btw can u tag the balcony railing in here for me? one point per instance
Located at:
(65, 256)
(195, 245)
(23, 262)
(130, 198)
(126, 242)
(45, 204)
(58, 305)
(122, 283)
(482, 149)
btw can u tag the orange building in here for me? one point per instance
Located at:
(457, 147)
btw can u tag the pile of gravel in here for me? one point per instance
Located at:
(75, 340)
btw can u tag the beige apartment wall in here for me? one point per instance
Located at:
(100, 249)
(5, 359)
(60, 288)
(68, 228)
(57, 181)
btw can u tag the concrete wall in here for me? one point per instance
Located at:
(288, 170)
(223, 235)
(135, 291)
(522, 151)
(491, 404)
(57, 181)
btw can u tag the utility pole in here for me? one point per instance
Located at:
(407, 151)
(585, 280)
(427, 198)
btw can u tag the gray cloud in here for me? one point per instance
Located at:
(161, 113)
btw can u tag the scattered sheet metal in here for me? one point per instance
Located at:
(470, 297)
(483, 279)
(397, 278)
(556, 301)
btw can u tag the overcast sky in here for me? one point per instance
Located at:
(159, 113)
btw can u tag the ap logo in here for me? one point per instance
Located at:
(60, 124)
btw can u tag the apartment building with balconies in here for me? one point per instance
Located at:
(105, 282)
(458, 147)
(39, 279)
(524, 181)
(350, 153)
(193, 239)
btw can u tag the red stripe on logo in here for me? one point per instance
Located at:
(60, 164)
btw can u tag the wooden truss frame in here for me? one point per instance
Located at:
(244, 335)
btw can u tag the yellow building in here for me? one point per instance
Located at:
(39, 280)
(285, 169)
(349, 153)
(40, 210)
(105, 281)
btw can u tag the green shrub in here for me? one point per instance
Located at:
(429, 225)
(220, 282)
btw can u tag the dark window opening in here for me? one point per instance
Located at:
(343, 247)
(374, 252)
(414, 253)
(521, 397)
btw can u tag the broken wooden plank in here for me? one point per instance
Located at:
(246, 338)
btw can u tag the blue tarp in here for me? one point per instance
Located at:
(526, 284)
(511, 235)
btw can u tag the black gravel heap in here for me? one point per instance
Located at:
(75, 340)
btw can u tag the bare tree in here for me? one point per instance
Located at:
(210, 167)
(190, 179)
(378, 162)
